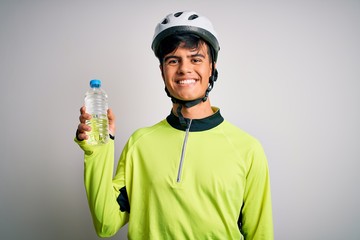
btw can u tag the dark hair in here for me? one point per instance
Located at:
(189, 41)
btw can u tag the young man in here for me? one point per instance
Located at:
(191, 176)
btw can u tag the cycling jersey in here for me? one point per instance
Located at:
(209, 180)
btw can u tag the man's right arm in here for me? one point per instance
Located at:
(101, 191)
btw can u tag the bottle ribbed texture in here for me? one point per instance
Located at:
(96, 103)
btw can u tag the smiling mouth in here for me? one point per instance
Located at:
(186, 81)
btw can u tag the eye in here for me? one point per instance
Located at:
(196, 60)
(172, 61)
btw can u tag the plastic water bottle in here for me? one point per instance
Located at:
(96, 103)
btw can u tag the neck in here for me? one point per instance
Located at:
(201, 110)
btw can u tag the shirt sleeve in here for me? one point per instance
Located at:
(256, 214)
(102, 191)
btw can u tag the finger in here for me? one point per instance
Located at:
(81, 131)
(83, 117)
(83, 109)
(82, 136)
(82, 127)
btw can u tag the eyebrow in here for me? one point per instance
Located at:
(191, 56)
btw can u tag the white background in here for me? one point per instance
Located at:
(289, 74)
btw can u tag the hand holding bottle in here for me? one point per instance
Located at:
(83, 128)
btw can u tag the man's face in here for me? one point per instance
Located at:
(186, 72)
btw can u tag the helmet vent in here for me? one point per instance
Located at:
(192, 17)
(178, 14)
(165, 21)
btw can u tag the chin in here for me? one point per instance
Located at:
(189, 98)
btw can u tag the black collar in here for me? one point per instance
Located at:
(197, 125)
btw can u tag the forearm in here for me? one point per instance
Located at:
(257, 222)
(101, 194)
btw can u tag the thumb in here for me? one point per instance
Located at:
(111, 118)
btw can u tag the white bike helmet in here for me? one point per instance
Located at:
(186, 22)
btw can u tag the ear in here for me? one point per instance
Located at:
(162, 72)
(211, 67)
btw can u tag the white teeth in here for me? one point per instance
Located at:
(187, 81)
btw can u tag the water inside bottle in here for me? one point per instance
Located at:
(99, 133)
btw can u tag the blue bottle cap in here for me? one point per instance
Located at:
(95, 83)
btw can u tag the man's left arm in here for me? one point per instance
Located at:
(256, 214)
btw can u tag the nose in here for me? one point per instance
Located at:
(185, 66)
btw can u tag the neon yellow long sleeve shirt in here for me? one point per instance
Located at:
(209, 181)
